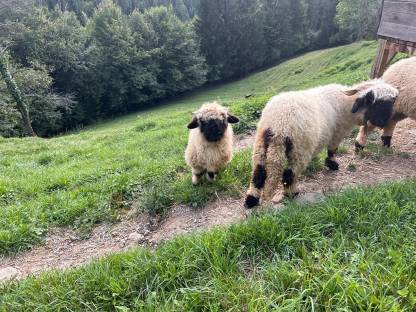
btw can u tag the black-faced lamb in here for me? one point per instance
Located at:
(210, 144)
(401, 75)
(296, 126)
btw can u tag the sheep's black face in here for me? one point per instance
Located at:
(380, 112)
(213, 129)
(377, 111)
(212, 121)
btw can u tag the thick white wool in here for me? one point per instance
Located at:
(202, 155)
(401, 75)
(311, 120)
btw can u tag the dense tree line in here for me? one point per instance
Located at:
(113, 64)
(77, 61)
(184, 9)
(239, 36)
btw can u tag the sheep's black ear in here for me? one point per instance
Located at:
(363, 101)
(370, 97)
(193, 124)
(232, 119)
(359, 103)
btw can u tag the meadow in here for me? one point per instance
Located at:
(98, 173)
(352, 252)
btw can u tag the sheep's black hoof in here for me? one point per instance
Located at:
(331, 164)
(251, 202)
(386, 140)
(212, 176)
(358, 147)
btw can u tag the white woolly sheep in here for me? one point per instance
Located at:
(210, 144)
(296, 126)
(401, 75)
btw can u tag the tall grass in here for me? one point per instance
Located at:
(352, 252)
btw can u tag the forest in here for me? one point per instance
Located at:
(79, 61)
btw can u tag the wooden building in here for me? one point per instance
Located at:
(396, 33)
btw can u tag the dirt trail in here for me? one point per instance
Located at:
(64, 249)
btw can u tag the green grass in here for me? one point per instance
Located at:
(352, 252)
(95, 175)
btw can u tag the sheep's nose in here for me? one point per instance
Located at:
(213, 130)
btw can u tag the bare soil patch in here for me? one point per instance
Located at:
(64, 248)
(357, 170)
(244, 141)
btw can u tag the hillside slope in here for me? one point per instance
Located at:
(92, 176)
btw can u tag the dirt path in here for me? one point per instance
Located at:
(65, 249)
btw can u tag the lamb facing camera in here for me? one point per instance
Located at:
(210, 143)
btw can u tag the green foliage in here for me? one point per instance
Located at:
(237, 46)
(117, 56)
(15, 93)
(110, 62)
(180, 66)
(10, 121)
(84, 178)
(249, 112)
(112, 55)
(358, 19)
(240, 36)
(352, 252)
(317, 164)
(46, 45)
(47, 109)
(184, 9)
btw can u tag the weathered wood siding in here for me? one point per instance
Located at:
(398, 20)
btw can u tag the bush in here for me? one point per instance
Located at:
(249, 112)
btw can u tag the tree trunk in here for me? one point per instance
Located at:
(16, 94)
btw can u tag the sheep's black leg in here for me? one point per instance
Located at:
(388, 130)
(259, 176)
(330, 161)
(361, 139)
(358, 147)
(197, 174)
(258, 181)
(212, 176)
(251, 201)
(289, 180)
(386, 140)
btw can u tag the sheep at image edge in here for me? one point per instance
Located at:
(401, 75)
(296, 126)
(210, 144)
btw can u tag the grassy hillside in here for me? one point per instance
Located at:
(80, 179)
(354, 252)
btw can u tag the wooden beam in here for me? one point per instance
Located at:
(387, 50)
(380, 63)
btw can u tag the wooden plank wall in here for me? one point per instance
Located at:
(398, 20)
